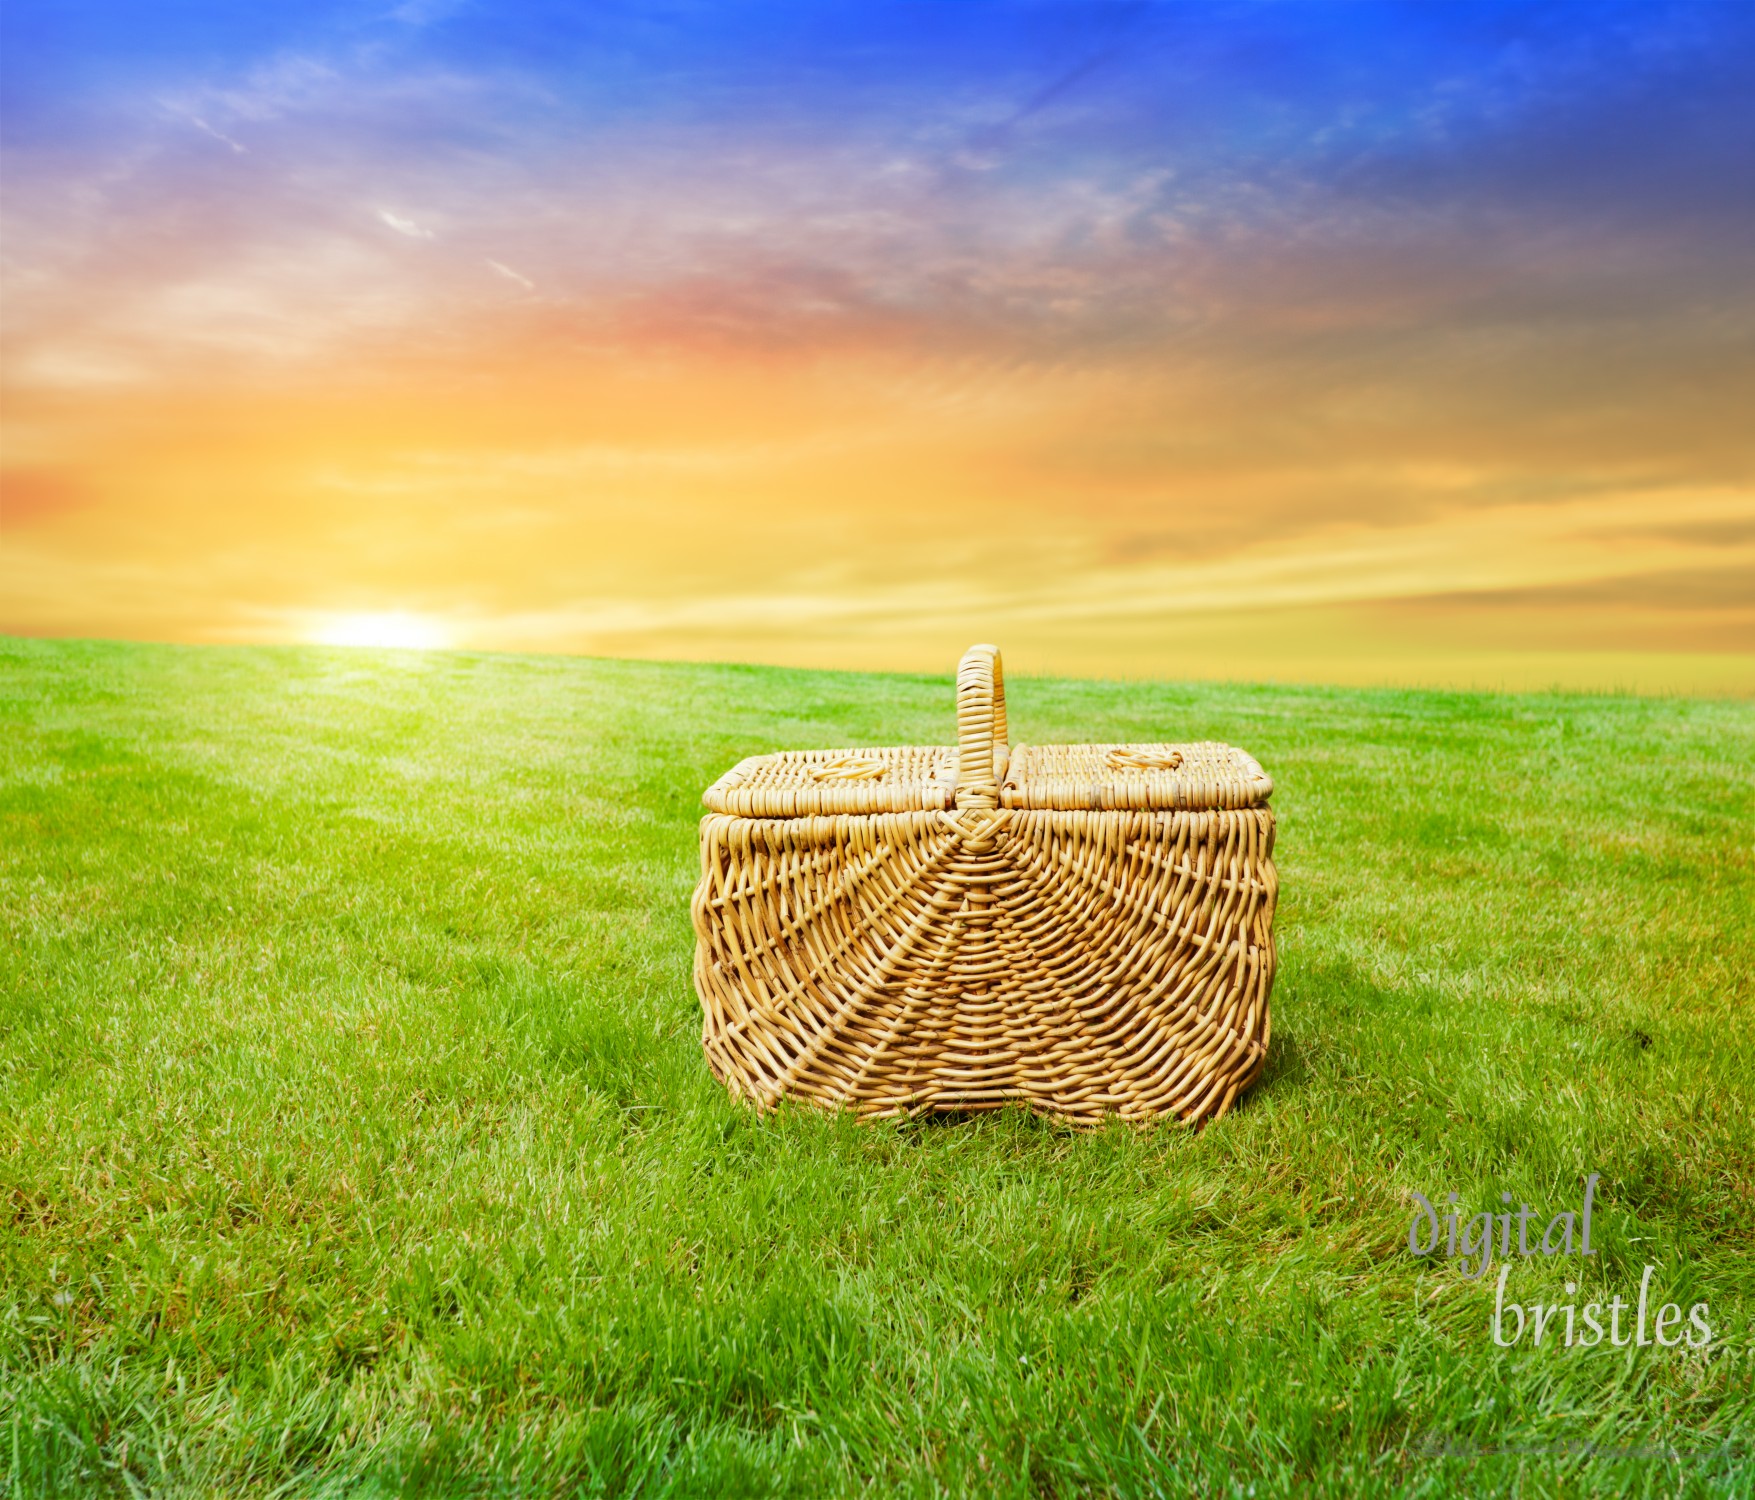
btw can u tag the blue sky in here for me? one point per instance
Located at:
(1178, 280)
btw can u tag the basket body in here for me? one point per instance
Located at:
(1085, 929)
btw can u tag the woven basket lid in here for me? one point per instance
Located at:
(806, 783)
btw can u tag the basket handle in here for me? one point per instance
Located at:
(981, 727)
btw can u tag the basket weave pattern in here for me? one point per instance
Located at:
(1084, 929)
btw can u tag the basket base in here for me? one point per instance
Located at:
(1082, 964)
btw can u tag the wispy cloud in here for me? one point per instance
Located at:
(504, 270)
(403, 225)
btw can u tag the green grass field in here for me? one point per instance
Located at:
(355, 1135)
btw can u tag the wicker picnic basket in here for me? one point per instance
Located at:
(1087, 929)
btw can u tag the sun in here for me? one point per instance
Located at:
(394, 629)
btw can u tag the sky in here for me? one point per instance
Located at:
(1352, 342)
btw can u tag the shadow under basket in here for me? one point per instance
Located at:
(1086, 929)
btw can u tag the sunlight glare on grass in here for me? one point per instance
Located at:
(390, 628)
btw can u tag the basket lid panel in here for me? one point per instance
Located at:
(806, 783)
(915, 778)
(1205, 774)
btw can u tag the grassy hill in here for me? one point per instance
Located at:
(355, 1135)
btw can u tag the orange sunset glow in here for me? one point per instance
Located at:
(1356, 344)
